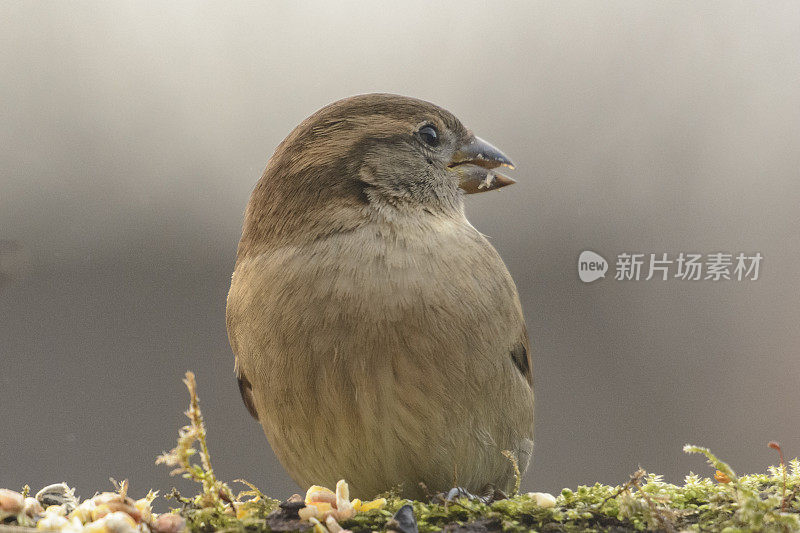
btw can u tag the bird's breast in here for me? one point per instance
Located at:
(375, 288)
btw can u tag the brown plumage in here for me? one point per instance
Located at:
(378, 336)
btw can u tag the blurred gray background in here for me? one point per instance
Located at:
(131, 134)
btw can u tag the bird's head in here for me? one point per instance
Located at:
(411, 150)
(373, 151)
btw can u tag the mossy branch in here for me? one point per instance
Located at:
(214, 491)
(720, 465)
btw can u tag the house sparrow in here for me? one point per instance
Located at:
(378, 335)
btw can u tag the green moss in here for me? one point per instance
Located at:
(751, 503)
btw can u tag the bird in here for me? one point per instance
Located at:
(378, 336)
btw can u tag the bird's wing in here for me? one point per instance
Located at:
(521, 355)
(246, 390)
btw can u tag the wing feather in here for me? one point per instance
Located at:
(521, 355)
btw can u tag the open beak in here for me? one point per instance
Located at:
(475, 162)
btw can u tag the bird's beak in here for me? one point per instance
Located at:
(475, 162)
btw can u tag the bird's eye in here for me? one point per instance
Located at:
(429, 134)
